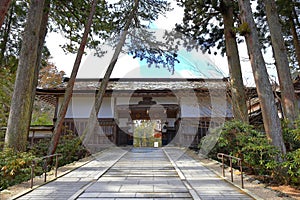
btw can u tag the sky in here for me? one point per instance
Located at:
(65, 61)
(188, 64)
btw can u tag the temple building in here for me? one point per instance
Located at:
(183, 105)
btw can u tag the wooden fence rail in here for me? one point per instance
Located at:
(45, 167)
(222, 156)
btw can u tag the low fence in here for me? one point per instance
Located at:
(222, 156)
(45, 166)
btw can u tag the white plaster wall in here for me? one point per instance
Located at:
(205, 107)
(80, 107)
(189, 107)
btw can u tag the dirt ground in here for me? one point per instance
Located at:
(252, 186)
(287, 190)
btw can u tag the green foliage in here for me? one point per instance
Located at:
(292, 158)
(15, 167)
(292, 165)
(241, 140)
(70, 147)
(11, 32)
(41, 119)
(69, 18)
(6, 88)
(243, 29)
(42, 113)
(144, 134)
(2, 137)
(287, 10)
(291, 135)
(260, 155)
(203, 22)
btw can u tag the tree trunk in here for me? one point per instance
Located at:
(4, 5)
(19, 117)
(5, 35)
(239, 105)
(93, 122)
(42, 35)
(69, 90)
(264, 90)
(288, 98)
(295, 38)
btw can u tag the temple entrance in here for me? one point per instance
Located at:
(146, 123)
(147, 133)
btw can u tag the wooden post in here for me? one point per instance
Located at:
(241, 169)
(56, 165)
(223, 170)
(231, 171)
(32, 173)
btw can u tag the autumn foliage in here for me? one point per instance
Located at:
(49, 76)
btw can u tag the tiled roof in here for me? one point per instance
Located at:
(146, 84)
(142, 86)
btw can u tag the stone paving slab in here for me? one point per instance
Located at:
(145, 173)
(141, 174)
(66, 186)
(204, 182)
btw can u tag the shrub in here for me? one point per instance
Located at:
(291, 135)
(15, 167)
(291, 162)
(292, 165)
(2, 136)
(69, 146)
(242, 140)
(71, 149)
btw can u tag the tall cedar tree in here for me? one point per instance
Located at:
(288, 98)
(20, 110)
(14, 23)
(264, 89)
(291, 27)
(199, 23)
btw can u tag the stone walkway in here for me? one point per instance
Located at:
(142, 173)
